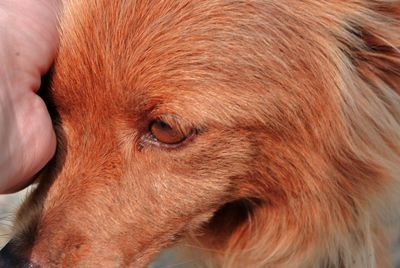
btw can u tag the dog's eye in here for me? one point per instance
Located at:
(166, 134)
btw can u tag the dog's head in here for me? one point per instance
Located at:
(224, 122)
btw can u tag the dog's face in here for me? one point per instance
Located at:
(180, 119)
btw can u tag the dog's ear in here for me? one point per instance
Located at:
(373, 43)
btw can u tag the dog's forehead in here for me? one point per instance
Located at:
(142, 56)
(177, 56)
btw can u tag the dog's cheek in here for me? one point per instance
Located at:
(216, 170)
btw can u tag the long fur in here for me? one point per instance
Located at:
(297, 158)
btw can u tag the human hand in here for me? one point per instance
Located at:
(28, 43)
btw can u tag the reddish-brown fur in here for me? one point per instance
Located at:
(297, 153)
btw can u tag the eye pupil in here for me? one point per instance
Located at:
(164, 125)
(166, 134)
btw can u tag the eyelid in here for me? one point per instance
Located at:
(148, 139)
(174, 122)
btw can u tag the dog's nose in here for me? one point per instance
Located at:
(9, 258)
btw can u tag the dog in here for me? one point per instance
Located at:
(257, 133)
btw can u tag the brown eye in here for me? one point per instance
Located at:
(166, 134)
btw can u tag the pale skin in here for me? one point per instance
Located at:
(28, 44)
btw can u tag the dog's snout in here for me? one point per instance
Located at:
(10, 258)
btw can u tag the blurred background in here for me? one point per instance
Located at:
(8, 205)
